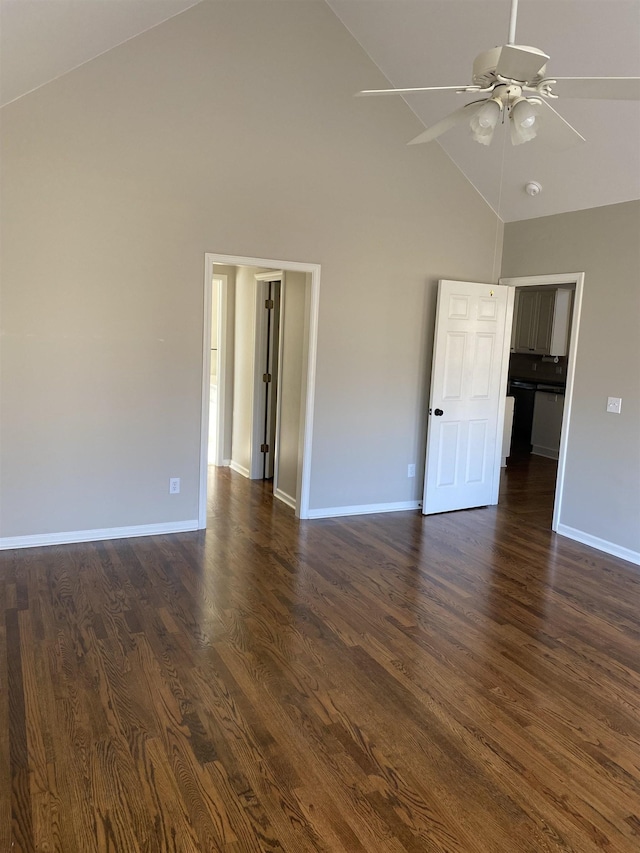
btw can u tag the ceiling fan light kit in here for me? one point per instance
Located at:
(523, 120)
(483, 123)
(490, 113)
(512, 79)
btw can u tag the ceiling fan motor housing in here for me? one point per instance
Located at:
(485, 64)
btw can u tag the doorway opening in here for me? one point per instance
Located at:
(263, 337)
(539, 388)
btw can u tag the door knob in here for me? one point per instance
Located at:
(438, 412)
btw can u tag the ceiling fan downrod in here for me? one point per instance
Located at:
(512, 22)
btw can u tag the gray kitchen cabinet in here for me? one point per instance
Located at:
(541, 321)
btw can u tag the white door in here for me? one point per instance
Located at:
(272, 336)
(466, 407)
(267, 325)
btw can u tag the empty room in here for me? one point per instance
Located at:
(320, 451)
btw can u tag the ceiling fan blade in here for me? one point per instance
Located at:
(556, 132)
(518, 62)
(462, 114)
(416, 89)
(609, 88)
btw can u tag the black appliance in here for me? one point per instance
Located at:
(524, 395)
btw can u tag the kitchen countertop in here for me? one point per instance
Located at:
(530, 385)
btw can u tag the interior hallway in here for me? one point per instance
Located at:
(462, 682)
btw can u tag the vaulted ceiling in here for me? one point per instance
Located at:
(43, 39)
(413, 43)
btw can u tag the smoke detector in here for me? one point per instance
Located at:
(533, 188)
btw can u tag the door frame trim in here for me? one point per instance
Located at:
(306, 431)
(576, 279)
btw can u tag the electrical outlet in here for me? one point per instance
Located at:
(614, 405)
(174, 485)
(411, 470)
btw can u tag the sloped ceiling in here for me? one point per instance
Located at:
(413, 43)
(43, 39)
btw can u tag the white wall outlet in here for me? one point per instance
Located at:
(411, 470)
(174, 485)
(614, 405)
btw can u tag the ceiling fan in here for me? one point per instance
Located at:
(512, 80)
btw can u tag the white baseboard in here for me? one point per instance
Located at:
(285, 498)
(39, 540)
(239, 469)
(600, 544)
(364, 509)
(547, 452)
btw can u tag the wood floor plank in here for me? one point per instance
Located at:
(467, 683)
(5, 749)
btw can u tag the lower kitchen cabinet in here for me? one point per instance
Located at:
(547, 423)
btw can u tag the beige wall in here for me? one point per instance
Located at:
(228, 342)
(602, 481)
(214, 329)
(243, 374)
(233, 129)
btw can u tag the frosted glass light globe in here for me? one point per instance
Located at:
(489, 114)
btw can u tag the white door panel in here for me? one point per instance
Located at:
(463, 441)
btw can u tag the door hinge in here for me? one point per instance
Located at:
(264, 448)
(266, 377)
(268, 303)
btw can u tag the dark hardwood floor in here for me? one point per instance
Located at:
(464, 682)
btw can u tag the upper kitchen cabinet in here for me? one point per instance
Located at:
(541, 322)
